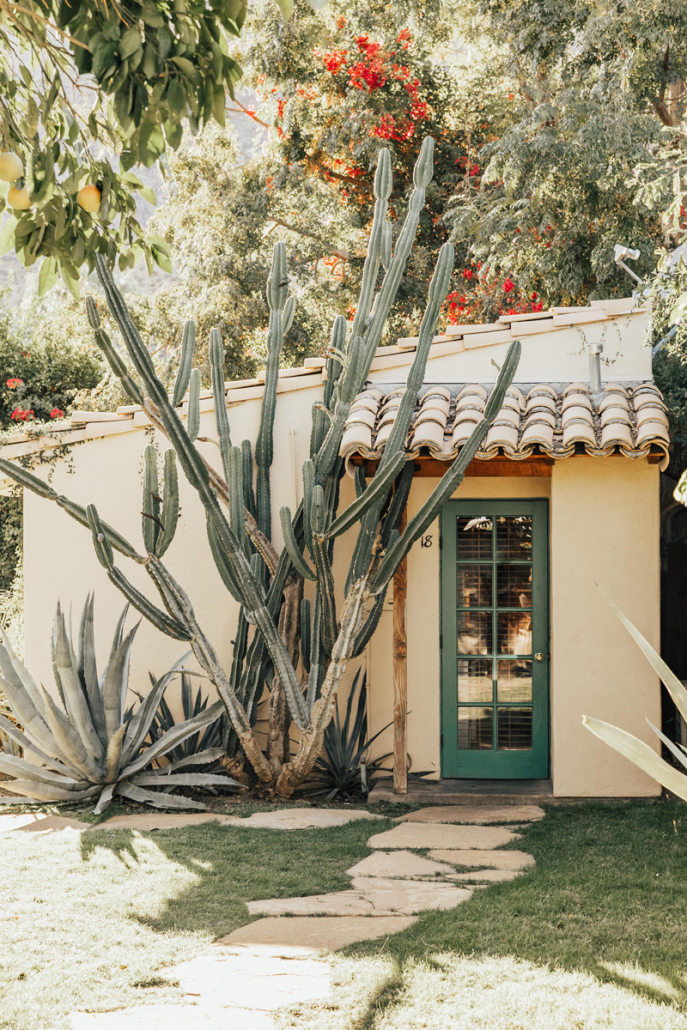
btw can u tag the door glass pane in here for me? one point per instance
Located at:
(474, 586)
(474, 538)
(514, 680)
(514, 586)
(514, 729)
(514, 537)
(474, 632)
(475, 680)
(475, 729)
(514, 633)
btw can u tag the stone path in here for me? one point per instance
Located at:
(277, 961)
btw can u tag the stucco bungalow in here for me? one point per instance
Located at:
(495, 640)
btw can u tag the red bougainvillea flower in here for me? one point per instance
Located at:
(21, 415)
(404, 38)
(12, 384)
(335, 60)
(508, 285)
(467, 273)
(56, 413)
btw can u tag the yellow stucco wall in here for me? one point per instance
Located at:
(605, 530)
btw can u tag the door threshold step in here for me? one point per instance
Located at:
(479, 792)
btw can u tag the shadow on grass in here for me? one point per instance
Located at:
(232, 865)
(607, 898)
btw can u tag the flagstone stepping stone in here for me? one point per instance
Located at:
(39, 822)
(302, 818)
(487, 875)
(283, 819)
(253, 978)
(173, 1017)
(398, 864)
(370, 896)
(437, 835)
(316, 933)
(491, 859)
(481, 814)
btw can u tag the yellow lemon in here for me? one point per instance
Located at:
(20, 200)
(11, 167)
(89, 198)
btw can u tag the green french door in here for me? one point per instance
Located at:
(495, 639)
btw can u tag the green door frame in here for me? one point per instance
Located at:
(485, 762)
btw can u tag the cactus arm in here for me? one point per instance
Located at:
(248, 495)
(27, 480)
(193, 418)
(170, 627)
(299, 562)
(308, 487)
(375, 494)
(315, 663)
(223, 566)
(382, 190)
(151, 503)
(422, 176)
(438, 289)
(360, 480)
(452, 479)
(111, 356)
(287, 316)
(264, 449)
(170, 504)
(385, 252)
(370, 625)
(325, 578)
(305, 633)
(398, 502)
(237, 518)
(188, 342)
(221, 418)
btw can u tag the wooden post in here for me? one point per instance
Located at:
(400, 652)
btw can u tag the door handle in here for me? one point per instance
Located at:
(539, 657)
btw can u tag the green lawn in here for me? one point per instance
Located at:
(593, 938)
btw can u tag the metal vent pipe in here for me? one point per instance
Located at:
(595, 352)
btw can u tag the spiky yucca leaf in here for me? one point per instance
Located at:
(89, 745)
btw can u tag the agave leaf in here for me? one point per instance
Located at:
(145, 713)
(67, 739)
(88, 670)
(149, 797)
(202, 758)
(173, 737)
(115, 681)
(666, 675)
(679, 754)
(28, 747)
(55, 670)
(639, 753)
(19, 767)
(46, 792)
(161, 778)
(75, 701)
(114, 754)
(105, 799)
(34, 724)
(18, 679)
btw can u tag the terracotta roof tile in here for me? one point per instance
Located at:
(553, 420)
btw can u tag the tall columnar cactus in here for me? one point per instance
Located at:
(279, 631)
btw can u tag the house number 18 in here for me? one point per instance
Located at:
(426, 540)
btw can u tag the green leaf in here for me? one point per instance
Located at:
(162, 259)
(72, 284)
(176, 98)
(47, 277)
(151, 143)
(185, 66)
(130, 43)
(7, 236)
(148, 194)
(286, 8)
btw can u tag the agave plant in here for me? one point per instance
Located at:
(344, 767)
(206, 743)
(89, 746)
(633, 748)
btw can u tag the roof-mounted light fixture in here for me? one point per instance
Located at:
(620, 252)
